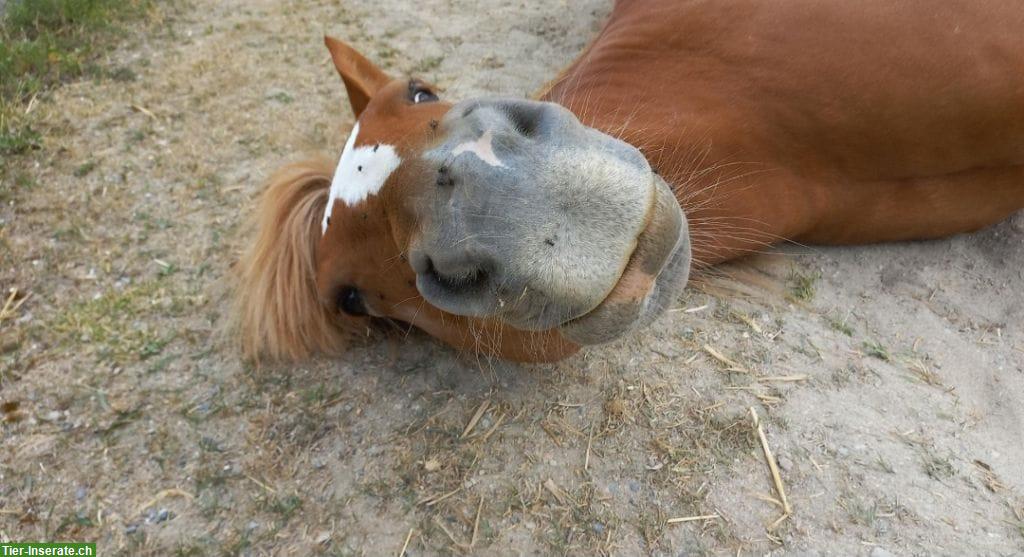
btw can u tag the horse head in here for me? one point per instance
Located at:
(498, 225)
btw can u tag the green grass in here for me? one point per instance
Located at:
(106, 324)
(47, 42)
(876, 350)
(802, 286)
(841, 326)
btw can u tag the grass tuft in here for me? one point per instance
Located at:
(47, 42)
(876, 350)
(842, 326)
(802, 286)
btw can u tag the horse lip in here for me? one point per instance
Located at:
(573, 328)
(640, 291)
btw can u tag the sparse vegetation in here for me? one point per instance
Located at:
(842, 326)
(876, 350)
(428, 64)
(108, 322)
(863, 513)
(47, 42)
(1017, 520)
(802, 285)
(937, 467)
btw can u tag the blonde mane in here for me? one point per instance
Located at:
(276, 313)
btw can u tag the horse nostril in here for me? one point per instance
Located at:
(524, 119)
(463, 283)
(466, 279)
(444, 178)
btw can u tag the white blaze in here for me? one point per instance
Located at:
(361, 173)
(482, 148)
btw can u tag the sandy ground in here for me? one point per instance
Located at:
(889, 379)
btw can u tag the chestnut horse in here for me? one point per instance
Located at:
(688, 133)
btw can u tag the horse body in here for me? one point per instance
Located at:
(522, 229)
(819, 122)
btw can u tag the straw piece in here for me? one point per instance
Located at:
(408, 538)
(750, 323)
(476, 523)
(476, 418)
(497, 423)
(448, 533)
(144, 110)
(782, 378)
(261, 484)
(729, 364)
(431, 500)
(553, 488)
(682, 519)
(590, 443)
(10, 307)
(773, 467)
(173, 492)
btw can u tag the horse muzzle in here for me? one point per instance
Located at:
(529, 217)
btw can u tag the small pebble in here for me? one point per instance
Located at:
(882, 526)
(880, 552)
(784, 463)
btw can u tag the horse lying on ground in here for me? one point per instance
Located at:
(687, 133)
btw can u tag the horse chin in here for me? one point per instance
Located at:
(656, 273)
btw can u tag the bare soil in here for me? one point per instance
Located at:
(889, 379)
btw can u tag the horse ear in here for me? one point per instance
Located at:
(362, 78)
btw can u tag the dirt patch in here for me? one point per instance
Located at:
(889, 379)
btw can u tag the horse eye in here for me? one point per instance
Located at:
(350, 301)
(423, 96)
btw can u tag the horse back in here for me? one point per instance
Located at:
(824, 103)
